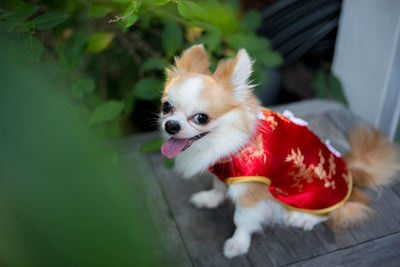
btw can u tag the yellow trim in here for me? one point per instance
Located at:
(247, 179)
(265, 180)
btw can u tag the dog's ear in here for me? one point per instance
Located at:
(193, 59)
(234, 74)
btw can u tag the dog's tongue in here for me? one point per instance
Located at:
(173, 146)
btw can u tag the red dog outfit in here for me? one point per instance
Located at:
(300, 171)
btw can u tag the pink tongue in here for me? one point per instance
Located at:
(173, 146)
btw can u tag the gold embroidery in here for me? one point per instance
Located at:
(346, 177)
(272, 123)
(283, 118)
(254, 151)
(307, 174)
(281, 192)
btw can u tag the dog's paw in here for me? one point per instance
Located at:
(207, 199)
(236, 246)
(303, 220)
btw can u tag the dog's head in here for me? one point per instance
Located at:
(204, 115)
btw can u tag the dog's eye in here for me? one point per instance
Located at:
(201, 118)
(166, 107)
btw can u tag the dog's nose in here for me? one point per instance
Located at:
(172, 127)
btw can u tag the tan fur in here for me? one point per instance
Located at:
(373, 162)
(354, 211)
(255, 192)
(359, 196)
(224, 71)
(223, 76)
(350, 214)
(372, 159)
(193, 60)
(218, 100)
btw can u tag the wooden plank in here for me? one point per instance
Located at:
(203, 230)
(384, 251)
(168, 237)
(396, 187)
(282, 245)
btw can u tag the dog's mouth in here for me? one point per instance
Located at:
(174, 146)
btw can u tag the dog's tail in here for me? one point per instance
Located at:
(373, 162)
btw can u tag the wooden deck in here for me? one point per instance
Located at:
(195, 237)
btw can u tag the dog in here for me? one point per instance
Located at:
(272, 167)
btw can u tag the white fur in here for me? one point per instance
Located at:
(224, 138)
(302, 220)
(183, 97)
(249, 220)
(241, 75)
(210, 198)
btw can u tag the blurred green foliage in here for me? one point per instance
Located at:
(63, 199)
(327, 86)
(107, 56)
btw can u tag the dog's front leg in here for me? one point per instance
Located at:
(250, 214)
(247, 221)
(210, 198)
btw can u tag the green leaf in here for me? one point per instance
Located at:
(81, 86)
(76, 91)
(258, 48)
(148, 88)
(222, 16)
(133, 10)
(153, 145)
(86, 84)
(172, 38)
(106, 112)
(191, 10)
(27, 47)
(131, 19)
(154, 63)
(169, 163)
(130, 102)
(211, 39)
(19, 15)
(158, 2)
(97, 42)
(97, 11)
(121, 1)
(34, 47)
(49, 20)
(75, 48)
(253, 43)
(270, 59)
(328, 86)
(251, 20)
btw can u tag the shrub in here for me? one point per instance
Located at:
(109, 56)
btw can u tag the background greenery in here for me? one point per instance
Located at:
(63, 199)
(108, 57)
